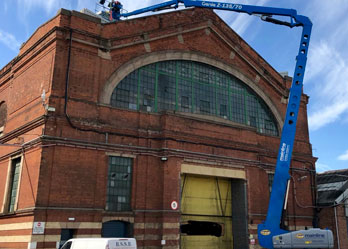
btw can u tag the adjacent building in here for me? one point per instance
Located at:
(333, 202)
(164, 128)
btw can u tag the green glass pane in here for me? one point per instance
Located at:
(119, 184)
(166, 92)
(189, 86)
(14, 181)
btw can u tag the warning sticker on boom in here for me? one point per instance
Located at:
(265, 232)
(284, 152)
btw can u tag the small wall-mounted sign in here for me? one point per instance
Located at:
(39, 227)
(174, 205)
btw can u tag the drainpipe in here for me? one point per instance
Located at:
(337, 231)
(67, 80)
(66, 95)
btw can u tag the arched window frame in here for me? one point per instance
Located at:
(147, 59)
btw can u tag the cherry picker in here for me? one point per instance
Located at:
(270, 235)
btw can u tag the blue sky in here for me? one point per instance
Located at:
(326, 78)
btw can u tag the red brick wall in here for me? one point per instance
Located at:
(342, 226)
(68, 167)
(328, 220)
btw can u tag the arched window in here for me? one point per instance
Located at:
(188, 86)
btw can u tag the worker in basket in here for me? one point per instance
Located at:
(115, 9)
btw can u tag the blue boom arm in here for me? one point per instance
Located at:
(271, 226)
(295, 20)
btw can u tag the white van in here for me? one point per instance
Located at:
(100, 243)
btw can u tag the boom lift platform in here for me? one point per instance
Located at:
(270, 235)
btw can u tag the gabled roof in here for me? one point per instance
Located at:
(332, 186)
(332, 176)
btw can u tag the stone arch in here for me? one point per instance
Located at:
(154, 57)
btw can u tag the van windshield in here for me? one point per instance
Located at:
(66, 245)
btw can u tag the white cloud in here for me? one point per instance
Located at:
(344, 156)
(327, 69)
(80, 5)
(315, 63)
(49, 6)
(241, 22)
(27, 5)
(334, 11)
(89, 4)
(5, 6)
(328, 72)
(322, 167)
(129, 6)
(10, 41)
(327, 115)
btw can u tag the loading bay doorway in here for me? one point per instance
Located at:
(213, 212)
(207, 199)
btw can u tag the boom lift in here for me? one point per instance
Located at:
(270, 235)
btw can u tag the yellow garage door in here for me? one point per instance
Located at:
(206, 199)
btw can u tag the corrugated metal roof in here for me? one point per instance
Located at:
(332, 176)
(331, 185)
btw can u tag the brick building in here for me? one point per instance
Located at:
(140, 128)
(332, 198)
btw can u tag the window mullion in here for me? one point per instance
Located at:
(216, 96)
(138, 90)
(156, 87)
(229, 99)
(176, 85)
(192, 89)
(258, 124)
(245, 107)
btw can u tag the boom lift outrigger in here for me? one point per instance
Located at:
(270, 235)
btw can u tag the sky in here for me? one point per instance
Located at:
(326, 77)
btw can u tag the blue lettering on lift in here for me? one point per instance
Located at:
(123, 243)
(317, 235)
